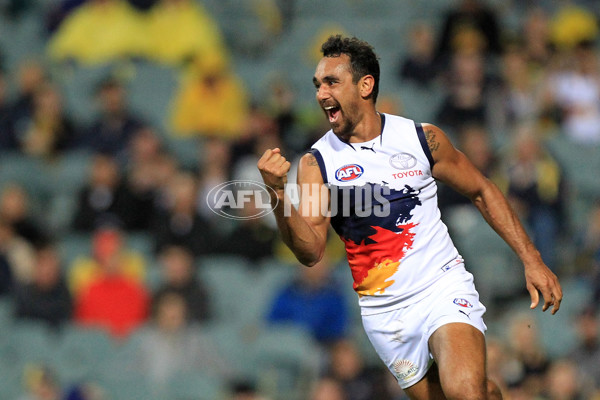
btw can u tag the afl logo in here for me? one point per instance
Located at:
(463, 303)
(349, 172)
(403, 161)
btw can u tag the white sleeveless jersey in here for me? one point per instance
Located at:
(384, 207)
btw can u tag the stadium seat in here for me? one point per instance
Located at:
(194, 386)
(29, 172)
(151, 87)
(79, 84)
(287, 360)
(581, 164)
(234, 345)
(6, 314)
(30, 342)
(226, 279)
(74, 245)
(81, 352)
(262, 286)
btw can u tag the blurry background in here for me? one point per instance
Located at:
(117, 117)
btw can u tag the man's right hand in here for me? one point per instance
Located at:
(274, 169)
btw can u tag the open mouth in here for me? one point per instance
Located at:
(333, 113)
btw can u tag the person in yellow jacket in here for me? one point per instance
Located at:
(211, 101)
(100, 31)
(180, 30)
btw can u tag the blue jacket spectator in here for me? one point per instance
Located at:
(313, 301)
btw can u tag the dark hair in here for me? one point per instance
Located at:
(363, 60)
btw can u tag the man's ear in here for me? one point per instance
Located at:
(366, 85)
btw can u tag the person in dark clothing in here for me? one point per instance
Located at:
(104, 197)
(114, 127)
(6, 279)
(47, 297)
(179, 275)
(471, 18)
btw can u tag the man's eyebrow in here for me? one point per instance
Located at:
(315, 80)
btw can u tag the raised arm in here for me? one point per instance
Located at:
(453, 168)
(303, 230)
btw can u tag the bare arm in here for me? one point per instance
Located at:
(453, 168)
(303, 230)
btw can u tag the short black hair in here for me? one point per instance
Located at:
(363, 60)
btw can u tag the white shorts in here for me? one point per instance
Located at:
(401, 336)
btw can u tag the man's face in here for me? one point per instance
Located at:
(337, 95)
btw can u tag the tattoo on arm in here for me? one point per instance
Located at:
(431, 141)
(312, 160)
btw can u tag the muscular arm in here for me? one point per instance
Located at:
(303, 230)
(453, 168)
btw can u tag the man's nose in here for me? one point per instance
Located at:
(322, 93)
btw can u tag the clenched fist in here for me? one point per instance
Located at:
(274, 169)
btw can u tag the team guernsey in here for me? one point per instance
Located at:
(384, 208)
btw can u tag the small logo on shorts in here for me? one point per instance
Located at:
(463, 303)
(405, 370)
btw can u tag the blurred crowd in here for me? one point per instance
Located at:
(518, 85)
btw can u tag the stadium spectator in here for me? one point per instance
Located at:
(7, 137)
(214, 169)
(575, 91)
(358, 381)
(179, 275)
(536, 189)
(171, 344)
(535, 36)
(498, 361)
(530, 357)
(471, 23)
(58, 11)
(517, 98)
(181, 31)
(14, 209)
(6, 277)
(419, 64)
(590, 249)
(179, 222)
(110, 257)
(210, 101)
(313, 301)
(104, 197)
(571, 25)
(563, 382)
(244, 389)
(31, 75)
(144, 157)
(327, 388)
(84, 37)
(587, 352)
(476, 143)
(280, 105)
(113, 301)
(47, 297)
(466, 95)
(17, 253)
(41, 383)
(253, 236)
(47, 131)
(115, 124)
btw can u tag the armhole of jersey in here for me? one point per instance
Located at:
(321, 163)
(423, 140)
